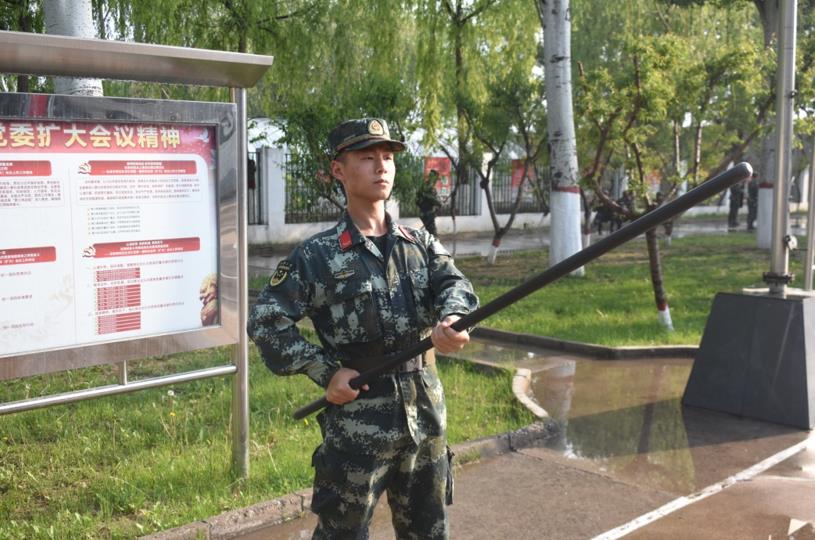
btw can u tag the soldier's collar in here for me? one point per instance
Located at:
(347, 233)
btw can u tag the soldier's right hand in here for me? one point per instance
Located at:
(339, 391)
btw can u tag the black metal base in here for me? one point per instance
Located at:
(757, 360)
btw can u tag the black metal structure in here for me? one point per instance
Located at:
(757, 360)
(645, 223)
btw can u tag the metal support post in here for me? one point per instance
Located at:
(121, 372)
(240, 387)
(779, 277)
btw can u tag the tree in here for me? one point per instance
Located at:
(513, 116)
(446, 44)
(565, 236)
(72, 18)
(21, 16)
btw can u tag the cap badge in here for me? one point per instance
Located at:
(375, 128)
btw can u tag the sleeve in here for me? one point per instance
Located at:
(272, 324)
(453, 293)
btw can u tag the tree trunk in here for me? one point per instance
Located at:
(496, 243)
(660, 297)
(72, 18)
(26, 24)
(565, 235)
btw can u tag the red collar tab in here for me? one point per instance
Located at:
(406, 234)
(345, 240)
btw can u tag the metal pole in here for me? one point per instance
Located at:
(121, 372)
(240, 387)
(113, 390)
(809, 260)
(778, 277)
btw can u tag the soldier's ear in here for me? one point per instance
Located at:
(337, 170)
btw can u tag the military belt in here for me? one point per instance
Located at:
(417, 363)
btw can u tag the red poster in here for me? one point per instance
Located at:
(518, 172)
(109, 231)
(444, 168)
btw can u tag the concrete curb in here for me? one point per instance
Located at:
(293, 506)
(588, 349)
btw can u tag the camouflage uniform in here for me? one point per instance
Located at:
(365, 304)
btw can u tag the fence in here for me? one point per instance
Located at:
(307, 200)
(534, 197)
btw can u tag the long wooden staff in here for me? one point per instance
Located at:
(645, 223)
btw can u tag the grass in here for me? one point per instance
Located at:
(124, 466)
(129, 465)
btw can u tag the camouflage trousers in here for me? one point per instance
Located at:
(416, 478)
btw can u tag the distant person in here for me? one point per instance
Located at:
(428, 201)
(736, 202)
(752, 202)
(251, 173)
(606, 214)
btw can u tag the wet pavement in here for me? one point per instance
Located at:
(624, 457)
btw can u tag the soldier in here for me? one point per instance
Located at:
(736, 201)
(371, 287)
(428, 201)
(752, 202)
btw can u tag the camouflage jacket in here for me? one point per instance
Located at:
(363, 303)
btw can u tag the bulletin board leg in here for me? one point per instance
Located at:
(240, 388)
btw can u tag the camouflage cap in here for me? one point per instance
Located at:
(361, 133)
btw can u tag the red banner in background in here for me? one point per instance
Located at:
(518, 172)
(444, 167)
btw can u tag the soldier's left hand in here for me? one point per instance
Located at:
(445, 339)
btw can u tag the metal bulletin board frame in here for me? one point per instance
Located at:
(42, 55)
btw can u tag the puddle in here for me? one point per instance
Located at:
(624, 418)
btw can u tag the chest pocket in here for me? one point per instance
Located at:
(422, 296)
(353, 313)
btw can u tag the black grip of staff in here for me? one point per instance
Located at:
(645, 223)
